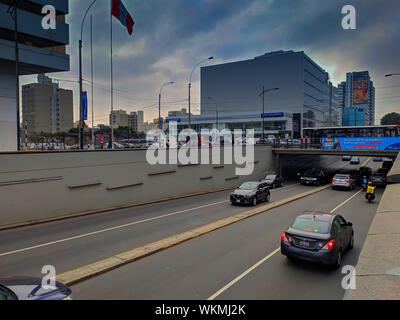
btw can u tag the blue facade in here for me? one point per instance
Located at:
(354, 116)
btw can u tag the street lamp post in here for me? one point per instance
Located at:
(80, 127)
(159, 102)
(264, 91)
(190, 86)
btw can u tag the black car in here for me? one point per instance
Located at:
(250, 193)
(365, 172)
(273, 180)
(321, 238)
(346, 158)
(28, 288)
(387, 164)
(378, 179)
(313, 177)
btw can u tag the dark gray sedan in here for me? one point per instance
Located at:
(250, 193)
(319, 238)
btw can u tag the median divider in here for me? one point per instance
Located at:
(94, 269)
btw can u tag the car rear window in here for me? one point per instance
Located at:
(341, 177)
(311, 225)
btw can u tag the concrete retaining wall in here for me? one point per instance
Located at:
(44, 185)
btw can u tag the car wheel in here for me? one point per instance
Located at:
(351, 244)
(273, 186)
(254, 203)
(268, 197)
(338, 262)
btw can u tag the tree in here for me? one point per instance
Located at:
(391, 118)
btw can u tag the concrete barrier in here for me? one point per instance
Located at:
(41, 185)
(378, 267)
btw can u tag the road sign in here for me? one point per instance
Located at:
(84, 105)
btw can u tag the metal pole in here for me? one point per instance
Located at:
(17, 72)
(91, 66)
(190, 85)
(112, 85)
(80, 134)
(262, 116)
(159, 110)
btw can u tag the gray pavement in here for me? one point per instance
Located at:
(199, 268)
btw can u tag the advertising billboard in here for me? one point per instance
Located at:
(360, 87)
(361, 143)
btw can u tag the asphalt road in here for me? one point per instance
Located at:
(203, 267)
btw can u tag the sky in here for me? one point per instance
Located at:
(171, 36)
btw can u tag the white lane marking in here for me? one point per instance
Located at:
(344, 202)
(230, 284)
(120, 226)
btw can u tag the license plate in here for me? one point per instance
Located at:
(304, 244)
(237, 200)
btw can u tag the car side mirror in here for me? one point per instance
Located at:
(349, 224)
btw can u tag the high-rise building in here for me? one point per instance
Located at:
(119, 118)
(40, 51)
(357, 93)
(46, 108)
(133, 122)
(140, 117)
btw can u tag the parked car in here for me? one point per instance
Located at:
(28, 288)
(346, 158)
(355, 160)
(343, 181)
(377, 159)
(317, 237)
(378, 179)
(273, 180)
(365, 172)
(250, 193)
(313, 177)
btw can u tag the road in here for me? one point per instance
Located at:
(198, 268)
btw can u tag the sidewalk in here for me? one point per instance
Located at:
(378, 267)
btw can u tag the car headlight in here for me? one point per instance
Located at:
(68, 297)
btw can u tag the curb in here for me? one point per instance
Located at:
(94, 269)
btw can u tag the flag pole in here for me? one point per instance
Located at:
(112, 79)
(91, 71)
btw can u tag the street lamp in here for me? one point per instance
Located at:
(80, 81)
(190, 83)
(159, 102)
(216, 112)
(262, 116)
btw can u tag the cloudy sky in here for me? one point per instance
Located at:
(171, 36)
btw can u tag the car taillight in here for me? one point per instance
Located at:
(285, 239)
(348, 181)
(333, 180)
(329, 245)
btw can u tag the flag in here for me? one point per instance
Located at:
(119, 11)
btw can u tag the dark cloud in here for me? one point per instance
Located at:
(171, 36)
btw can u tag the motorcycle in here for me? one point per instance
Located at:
(370, 197)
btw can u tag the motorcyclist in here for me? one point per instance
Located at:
(364, 183)
(370, 193)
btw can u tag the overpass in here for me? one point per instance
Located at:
(360, 152)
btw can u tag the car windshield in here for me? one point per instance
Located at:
(311, 225)
(270, 177)
(248, 186)
(310, 173)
